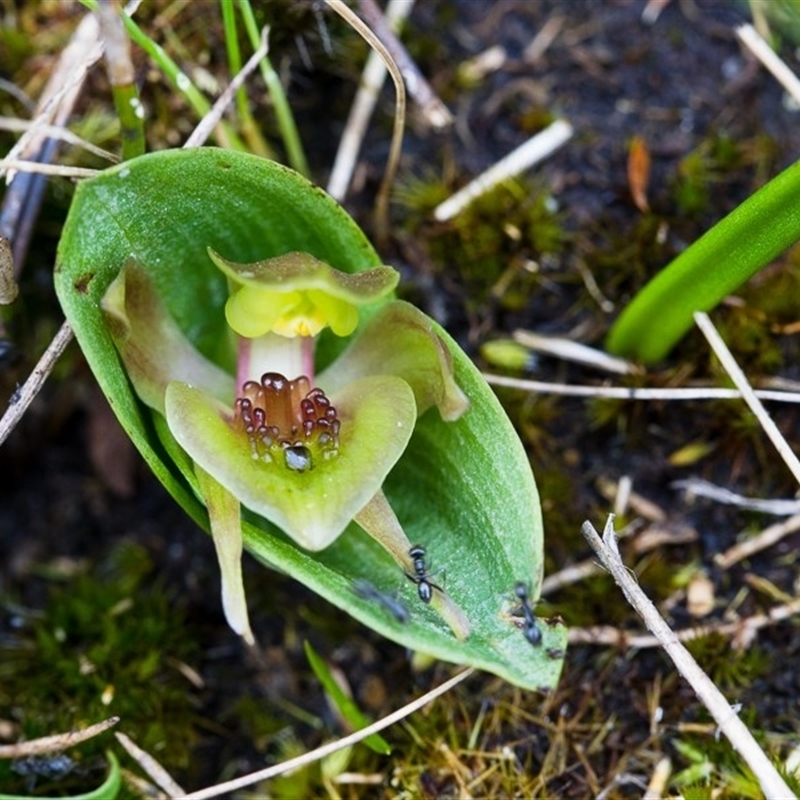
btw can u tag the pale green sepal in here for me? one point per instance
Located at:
(313, 507)
(224, 516)
(401, 340)
(296, 294)
(151, 345)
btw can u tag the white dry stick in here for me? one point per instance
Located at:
(697, 487)
(20, 165)
(150, 766)
(56, 132)
(396, 145)
(431, 109)
(22, 397)
(206, 125)
(574, 573)
(332, 747)
(52, 744)
(570, 350)
(536, 149)
(740, 381)
(772, 784)
(61, 91)
(768, 537)
(372, 80)
(625, 393)
(752, 39)
(740, 630)
(659, 780)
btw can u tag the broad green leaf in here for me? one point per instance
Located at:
(462, 489)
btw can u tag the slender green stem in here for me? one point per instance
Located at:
(121, 76)
(751, 236)
(234, 53)
(283, 112)
(248, 126)
(131, 120)
(225, 134)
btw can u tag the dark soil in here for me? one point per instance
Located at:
(77, 525)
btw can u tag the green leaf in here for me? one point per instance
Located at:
(720, 261)
(107, 791)
(463, 489)
(344, 703)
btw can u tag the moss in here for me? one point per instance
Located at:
(702, 170)
(492, 246)
(730, 669)
(107, 643)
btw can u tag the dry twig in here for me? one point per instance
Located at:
(21, 399)
(332, 747)
(206, 125)
(570, 350)
(696, 487)
(53, 744)
(433, 109)
(150, 766)
(742, 384)
(382, 199)
(768, 537)
(625, 393)
(729, 723)
(531, 152)
(741, 630)
(754, 42)
(361, 110)
(61, 92)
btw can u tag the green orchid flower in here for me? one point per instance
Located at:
(164, 330)
(307, 452)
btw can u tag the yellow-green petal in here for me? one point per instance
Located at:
(401, 340)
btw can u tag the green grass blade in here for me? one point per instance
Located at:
(248, 126)
(226, 136)
(721, 260)
(346, 705)
(283, 112)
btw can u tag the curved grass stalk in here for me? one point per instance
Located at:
(720, 261)
(382, 200)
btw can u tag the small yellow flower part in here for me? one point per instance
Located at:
(298, 295)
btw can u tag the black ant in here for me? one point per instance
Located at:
(366, 590)
(421, 575)
(530, 629)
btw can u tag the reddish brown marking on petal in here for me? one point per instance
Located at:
(288, 417)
